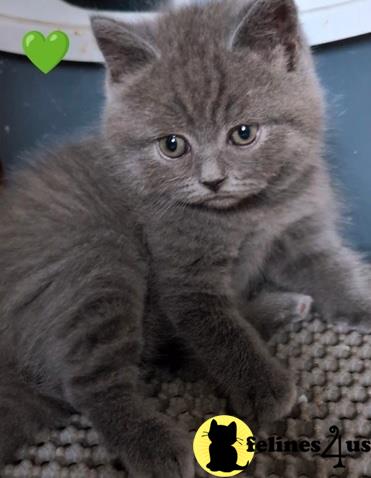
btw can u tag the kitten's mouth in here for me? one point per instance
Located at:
(221, 201)
(230, 201)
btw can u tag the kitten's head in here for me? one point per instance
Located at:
(223, 434)
(212, 105)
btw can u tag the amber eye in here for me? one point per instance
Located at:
(173, 146)
(244, 134)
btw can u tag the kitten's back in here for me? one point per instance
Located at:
(66, 228)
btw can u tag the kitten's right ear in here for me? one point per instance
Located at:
(124, 46)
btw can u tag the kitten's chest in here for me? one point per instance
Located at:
(248, 268)
(179, 241)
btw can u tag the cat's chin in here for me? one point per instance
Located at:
(222, 202)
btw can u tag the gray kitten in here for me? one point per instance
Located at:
(203, 214)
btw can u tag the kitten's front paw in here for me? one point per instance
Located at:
(360, 322)
(357, 317)
(10, 440)
(160, 451)
(268, 398)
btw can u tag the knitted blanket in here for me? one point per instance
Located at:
(334, 380)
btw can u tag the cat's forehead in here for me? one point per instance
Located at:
(198, 83)
(193, 27)
(209, 89)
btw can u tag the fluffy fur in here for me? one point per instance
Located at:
(107, 247)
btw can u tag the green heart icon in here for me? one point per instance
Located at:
(45, 53)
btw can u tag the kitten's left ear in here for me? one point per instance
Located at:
(126, 47)
(267, 24)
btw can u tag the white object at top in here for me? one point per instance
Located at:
(324, 21)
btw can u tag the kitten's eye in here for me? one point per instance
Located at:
(244, 134)
(173, 146)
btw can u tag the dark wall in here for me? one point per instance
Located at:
(36, 107)
(345, 71)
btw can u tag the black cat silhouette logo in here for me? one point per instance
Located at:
(220, 446)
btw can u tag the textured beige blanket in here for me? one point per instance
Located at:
(334, 379)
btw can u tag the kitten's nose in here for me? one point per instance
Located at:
(214, 183)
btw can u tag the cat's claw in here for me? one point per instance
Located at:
(166, 453)
(271, 399)
(360, 324)
(358, 320)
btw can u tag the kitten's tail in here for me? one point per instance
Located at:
(23, 413)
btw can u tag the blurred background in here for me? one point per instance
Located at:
(67, 102)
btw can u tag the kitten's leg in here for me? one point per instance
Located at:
(101, 380)
(271, 310)
(231, 350)
(165, 350)
(23, 413)
(312, 260)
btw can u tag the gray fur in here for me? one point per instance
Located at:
(107, 248)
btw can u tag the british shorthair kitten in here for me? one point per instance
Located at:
(203, 211)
